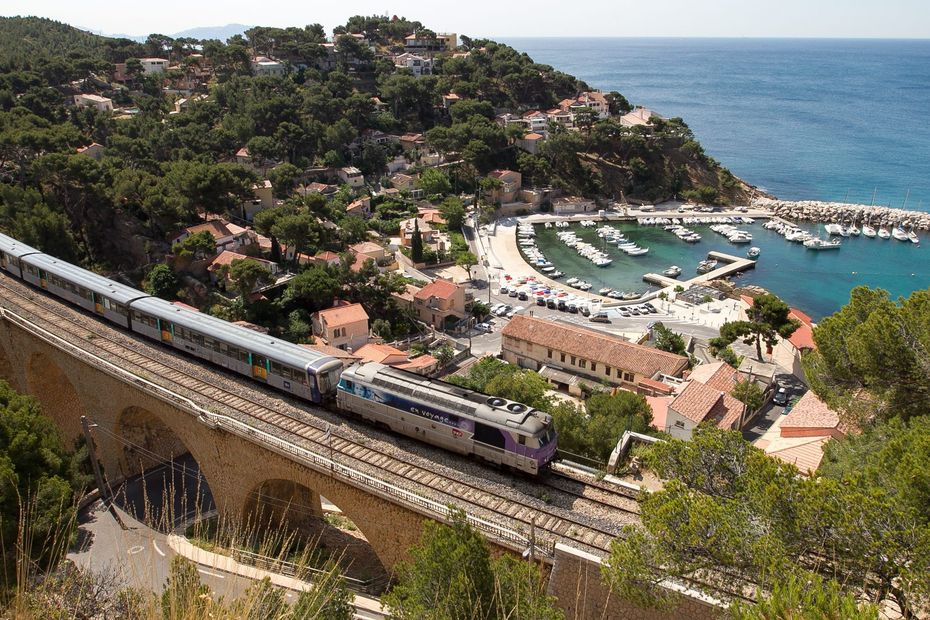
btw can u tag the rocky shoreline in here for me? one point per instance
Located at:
(828, 212)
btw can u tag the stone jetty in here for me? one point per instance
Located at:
(829, 212)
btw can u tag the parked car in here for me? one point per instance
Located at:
(550, 303)
(503, 310)
(781, 397)
(573, 308)
(485, 327)
(522, 296)
(540, 301)
(561, 306)
(585, 311)
(600, 317)
(512, 293)
(504, 289)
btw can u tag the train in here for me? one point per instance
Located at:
(504, 433)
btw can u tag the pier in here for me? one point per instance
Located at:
(732, 265)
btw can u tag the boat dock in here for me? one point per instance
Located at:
(730, 265)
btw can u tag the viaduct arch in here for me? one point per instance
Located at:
(60, 401)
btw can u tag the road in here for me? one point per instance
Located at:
(118, 540)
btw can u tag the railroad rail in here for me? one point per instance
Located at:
(304, 438)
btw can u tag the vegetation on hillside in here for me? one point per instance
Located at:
(40, 484)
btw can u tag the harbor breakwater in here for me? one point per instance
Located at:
(838, 212)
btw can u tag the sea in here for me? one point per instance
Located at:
(803, 119)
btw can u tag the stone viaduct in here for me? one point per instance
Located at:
(139, 424)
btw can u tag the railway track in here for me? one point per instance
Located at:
(551, 516)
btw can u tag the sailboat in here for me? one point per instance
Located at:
(868, 231)
(899, 234)
(883, 233)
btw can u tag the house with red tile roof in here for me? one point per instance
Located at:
(228, 236)
(593, 356)
(392, 356)
(343, 326)
(440, 303)
(360, 208)
(800, 436)
(530, 142)
(698, 403)
(511, 182)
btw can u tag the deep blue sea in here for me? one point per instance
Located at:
(804, 119)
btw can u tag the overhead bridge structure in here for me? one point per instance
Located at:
(262, 454)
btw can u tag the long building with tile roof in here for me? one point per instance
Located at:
(597, 357)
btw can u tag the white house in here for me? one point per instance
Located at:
(262, 65)
(351, 176)
(417, 65)
(94, 101)
(153, 65)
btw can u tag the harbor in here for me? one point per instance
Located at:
(787, 262)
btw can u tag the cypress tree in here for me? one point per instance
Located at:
(416, 243)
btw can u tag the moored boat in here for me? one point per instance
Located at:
(868, 231)
(706, 266)
(883, 233)
(672, 272)
(754, 252)
(820, 244)
(899, 234)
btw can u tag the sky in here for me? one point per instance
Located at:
(493, 18)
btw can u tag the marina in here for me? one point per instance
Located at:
(781, 257)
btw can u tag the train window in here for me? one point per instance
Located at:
(521, 439)
(488, 435)
(277, 369)
(350, 385)
(243, 356)
(31, 269)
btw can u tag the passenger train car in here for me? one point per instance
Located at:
(499, 431)
(283, 365)
(306, 373)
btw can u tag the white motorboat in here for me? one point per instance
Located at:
(820, 244)
(754, 252)
(833, 229)
(854, 230)
(844, 232)
(637, 251)
(672, 272)
(571, 281)
(556, 274)
(883, 233)
(912, 236)
(868, 231)
(706, 265)
(604, 291)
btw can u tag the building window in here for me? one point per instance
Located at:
(593, 367)
(582, 363)
(679, 424)
(607, 371)
(573, 360)
(628, 377)
(619, 374)
(563, 357)
(549, 353)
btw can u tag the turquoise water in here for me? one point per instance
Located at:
(818, 282)
(805, 119)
